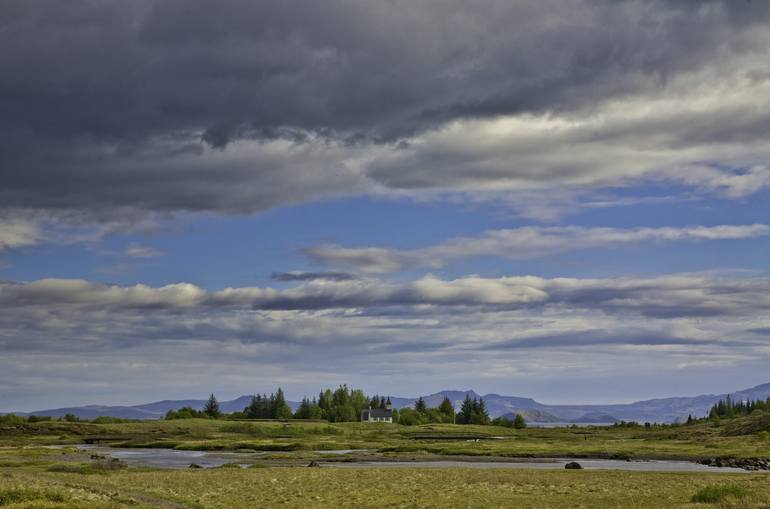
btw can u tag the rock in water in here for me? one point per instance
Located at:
(194, 465)
(573, 465)
(314, 464)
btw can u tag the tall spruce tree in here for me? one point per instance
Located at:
(482, 417)
(420, 406)
(446, 407)
(252, 411)
(466, 411)
(211, 409)
(281, 408)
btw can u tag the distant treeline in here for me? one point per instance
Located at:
(345, 405)
(12, 419)
(341, 405)
(727, 408)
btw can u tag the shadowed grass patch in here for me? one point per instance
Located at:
(18, 495)
(99, 467)
(716, 494)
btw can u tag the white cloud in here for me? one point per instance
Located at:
(682, 295)
(512, 329)
(139, 251)
(519, 243)
(18, 233)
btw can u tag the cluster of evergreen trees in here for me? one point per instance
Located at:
(727, 408)
(421, 414)
(341, 405)
(473, 411)
(264, 407)
(518, 422)
(210, 411)
(345, 405)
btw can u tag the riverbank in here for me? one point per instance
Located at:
(305, 440)
(180, 459)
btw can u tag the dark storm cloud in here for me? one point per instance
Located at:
(139, 105)
(127, 70)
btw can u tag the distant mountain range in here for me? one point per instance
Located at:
(652, 410)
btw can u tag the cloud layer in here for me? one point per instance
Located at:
(519, 243)
(113, 109)
(675, 296)
(121, 116)
(16, 233)
(511, 329)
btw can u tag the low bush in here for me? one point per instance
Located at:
(11, 419)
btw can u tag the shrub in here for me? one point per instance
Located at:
(502, 421)
(105, 419)
(716, 494)
(11, 419)
(38, 418)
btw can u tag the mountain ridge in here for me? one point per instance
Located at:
(668, 410)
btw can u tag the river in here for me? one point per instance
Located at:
(171, 458)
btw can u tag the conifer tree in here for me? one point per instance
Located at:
(446, 407)
(466, 411)
(419, 405)
(211, 409)
(252, 411)
(281, 409)
(482, 417)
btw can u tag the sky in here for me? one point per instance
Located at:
(560, 200)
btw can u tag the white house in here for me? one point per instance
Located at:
(377, 415)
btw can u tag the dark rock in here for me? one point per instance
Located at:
(194, 465)
(314, 464)
(752, 464)
(573, 465)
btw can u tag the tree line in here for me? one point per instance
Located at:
(345, 405)
(728, 408)
(341, 405)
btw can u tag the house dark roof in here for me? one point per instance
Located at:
(375, 412)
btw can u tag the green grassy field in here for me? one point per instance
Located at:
(683, 442)
(33, 476)
(28, 487)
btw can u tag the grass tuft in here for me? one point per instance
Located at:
(716, 494)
